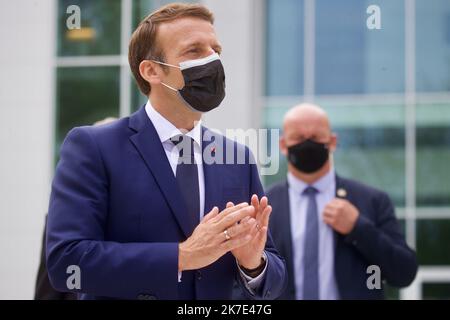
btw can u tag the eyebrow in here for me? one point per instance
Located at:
(217, 47)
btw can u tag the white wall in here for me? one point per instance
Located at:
(26, 120)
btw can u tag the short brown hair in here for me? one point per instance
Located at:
(143, 45)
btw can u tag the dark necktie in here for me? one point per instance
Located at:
(187, 178)
(311, 250)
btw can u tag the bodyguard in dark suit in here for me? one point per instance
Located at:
(328, 228)
(147, 207)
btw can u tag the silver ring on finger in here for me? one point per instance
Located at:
(227, 236)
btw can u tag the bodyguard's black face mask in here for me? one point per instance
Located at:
(204, 82)
(308, 156)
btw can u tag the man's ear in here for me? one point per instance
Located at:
(148, 71)
(333, 142)
(283, 147)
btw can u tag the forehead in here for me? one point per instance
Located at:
(185, 31)
(305, 125)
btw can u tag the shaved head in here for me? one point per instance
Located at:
(307, 121)
(306, 115)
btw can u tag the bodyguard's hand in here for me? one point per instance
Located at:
(340, 215)
(249, 255)
(209, 241)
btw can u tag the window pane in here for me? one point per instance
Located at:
(84, 96)
(433, 237)
(375, 156)
(391, 293)
(100, 28)
(433, 45)
(350, 58)
(284, 50)
(142, 8)
(433, 155)
(436, 291)
(371, 143)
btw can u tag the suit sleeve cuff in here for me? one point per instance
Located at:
(253, 284)
(359, 230)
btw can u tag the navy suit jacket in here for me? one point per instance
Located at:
(375, 240)
(115, 212)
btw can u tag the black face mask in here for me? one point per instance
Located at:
(308, 156)
(204, 83)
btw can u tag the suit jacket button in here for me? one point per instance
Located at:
(199, 275)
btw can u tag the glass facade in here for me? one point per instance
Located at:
(88, 71)
(389, 105)
(350, 58)
(86, 95)
(100, 28)
(284, 48)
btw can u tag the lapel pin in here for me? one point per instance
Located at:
(342, 193)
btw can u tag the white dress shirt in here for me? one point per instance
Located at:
(166, 130)
(298, 202)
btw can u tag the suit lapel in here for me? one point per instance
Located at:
(285, 221)
(339, 260)
(212, 172)
(340, 185)
(148, 144)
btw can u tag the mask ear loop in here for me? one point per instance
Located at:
(167, 86)
(166, 64)
(169, 65)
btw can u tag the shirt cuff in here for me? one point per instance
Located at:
(252, 284)
(180, 273)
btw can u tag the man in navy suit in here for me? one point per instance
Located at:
(146, 207)
(331, 229)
